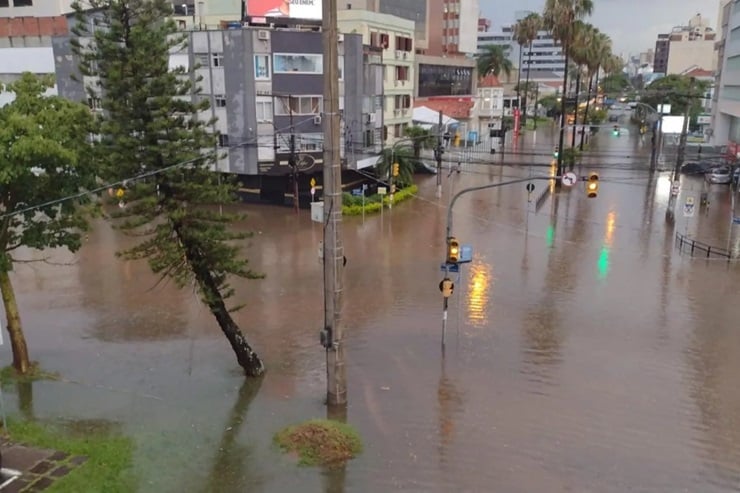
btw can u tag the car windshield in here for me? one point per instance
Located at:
(721, 171)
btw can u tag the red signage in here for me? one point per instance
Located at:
(517, 120)
(732, 150)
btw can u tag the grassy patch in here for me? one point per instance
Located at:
(352, 206)
(9, 375)
(108, 453)
(320, 442)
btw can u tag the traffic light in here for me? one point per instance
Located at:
(592, 185)
(555, 152)
(447, 287)
(396, 169)
(615, 131)
(121, 193)
(453, 251)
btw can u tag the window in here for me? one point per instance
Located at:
(22, 3)
(402, 101)
(402, 73)
(340, 66)
(4, 3)
(263, 109)
(218, 59)
(404, 44)
(219, 100)
(368, 138)
(297, 64)
(262, 66)
(299, 105)
(223, 140)
(201, 60)
(94, 104)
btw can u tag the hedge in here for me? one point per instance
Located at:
(352, 206)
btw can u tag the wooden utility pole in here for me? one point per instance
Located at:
(438, 156)
(292, 159)
(336, 378)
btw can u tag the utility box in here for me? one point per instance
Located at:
(317, 211)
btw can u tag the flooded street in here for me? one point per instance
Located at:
(584, 353)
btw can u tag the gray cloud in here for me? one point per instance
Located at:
(632, 24)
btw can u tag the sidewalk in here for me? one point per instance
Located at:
(39, 468)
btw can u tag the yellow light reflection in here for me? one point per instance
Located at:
(478, 293)
(611, 221)
(553, 172)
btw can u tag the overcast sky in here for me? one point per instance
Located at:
(632, 24)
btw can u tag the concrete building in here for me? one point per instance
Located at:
(264, 86)
(34, 8)
(207, 14)
(686, 48)
(491, 105)
(725, 119)
(394, 38)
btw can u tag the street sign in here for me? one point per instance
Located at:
(382, 190)
(357, 192)
(675, 188)
(569, 179)
(688, 207)
(466, 254)
(449, 268)
(530, 187)
(736, 220)
(313, 192)
(364, 187)
(313, 182)
(317, 211)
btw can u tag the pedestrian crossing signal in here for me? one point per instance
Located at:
(447, 287)
(592, 185)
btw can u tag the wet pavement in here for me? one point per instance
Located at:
(583, 352)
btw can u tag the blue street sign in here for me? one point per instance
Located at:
(449, 267)
(736, 220)
(466, 254)
(357, 192)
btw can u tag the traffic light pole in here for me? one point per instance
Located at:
(448, 231)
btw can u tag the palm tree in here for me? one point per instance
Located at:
(492, 60)
(559, 17)
(404, 156)
(420, 137)
(598, 54)
(526, 32)
(583, 36)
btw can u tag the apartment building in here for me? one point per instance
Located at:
(394, 38)
(264, 86)
(725, 119)
(686, 48)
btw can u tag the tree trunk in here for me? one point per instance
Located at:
(575, 110)
(563, 114)
(526, 85)
(518, 77)
(21, 362)
(588, 104)
(245, 355)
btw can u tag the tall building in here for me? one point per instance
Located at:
(264, 87)
(725, 120)
(547, 55)
(686, 48)
(394, 38)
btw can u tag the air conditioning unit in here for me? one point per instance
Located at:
(263, 35)
(341, 38)
(371, 117)
(399, 54)
(317, 120)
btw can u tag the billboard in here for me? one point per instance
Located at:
(295, 9)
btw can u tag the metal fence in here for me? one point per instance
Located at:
(700, 249)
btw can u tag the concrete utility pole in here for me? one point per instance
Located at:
(291, 160)
(439, 156)
(336, 377)
(684, 133)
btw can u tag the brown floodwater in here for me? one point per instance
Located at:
(583, 352)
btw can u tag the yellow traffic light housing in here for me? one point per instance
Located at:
(453, 251)
(447, 287)
(592, 185)
(396, 169)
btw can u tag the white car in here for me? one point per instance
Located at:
(721, 175)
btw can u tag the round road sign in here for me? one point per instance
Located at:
(313, 190)
(530, 187)
(569, 179)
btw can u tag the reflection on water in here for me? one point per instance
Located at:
(603, 264)
(479, 285)
(449, 406)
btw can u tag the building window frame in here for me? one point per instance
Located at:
(263, 109)
(300, 105)
(281, 63)
(217, 59)
(262, 71)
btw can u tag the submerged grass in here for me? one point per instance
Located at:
(320, 442)
(109, 454)
(8, 374)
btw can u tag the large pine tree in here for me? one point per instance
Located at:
(150, 126)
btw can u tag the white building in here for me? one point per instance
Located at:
(726, 108)
(394, 36)
(490, 104)
(34, 8)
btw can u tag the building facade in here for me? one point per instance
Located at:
(34, 8)
(394, 39)
(265, 89)
(686, 48)
(725, 118)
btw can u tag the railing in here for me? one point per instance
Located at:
(698, 248)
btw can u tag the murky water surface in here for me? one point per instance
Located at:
(583, 352)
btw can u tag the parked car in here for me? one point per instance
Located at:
(613, 118)
(736, 176)
(721, 175)
(696, 167)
